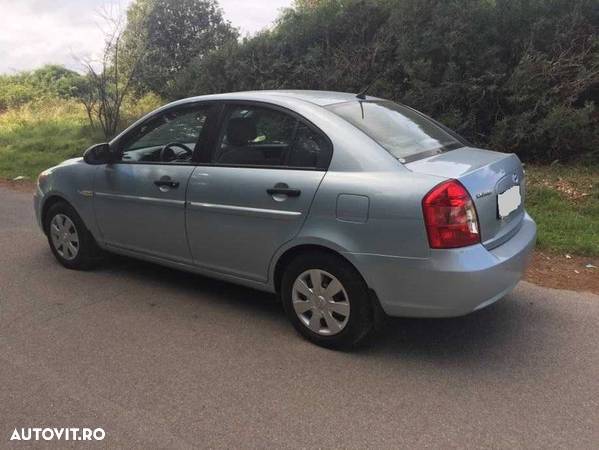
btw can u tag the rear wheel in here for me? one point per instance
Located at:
(327, 300)
(70, 241)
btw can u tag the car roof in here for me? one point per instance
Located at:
(286, 98)
(320, 98)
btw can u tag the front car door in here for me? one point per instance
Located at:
(255, 191)
(139, 200)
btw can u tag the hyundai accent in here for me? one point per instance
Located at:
(349, 207)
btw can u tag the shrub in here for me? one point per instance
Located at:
(518, 75)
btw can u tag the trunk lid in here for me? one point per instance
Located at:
(486, 175)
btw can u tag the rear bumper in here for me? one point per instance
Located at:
(450, 282)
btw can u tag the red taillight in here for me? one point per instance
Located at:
(450, 216)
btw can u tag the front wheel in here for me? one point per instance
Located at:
(70, 241)
(327, 300)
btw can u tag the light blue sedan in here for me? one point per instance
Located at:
(349, 207)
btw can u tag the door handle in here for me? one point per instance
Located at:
(283, 189)
(167, 183)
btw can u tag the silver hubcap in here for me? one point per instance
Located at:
(320, 302)
(64, 236)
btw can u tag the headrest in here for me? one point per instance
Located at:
(241, 130)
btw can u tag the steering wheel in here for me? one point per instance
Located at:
(168, 154)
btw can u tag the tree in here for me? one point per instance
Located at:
(108, 81)
(325, 44)
(171, 34)
(517, 75)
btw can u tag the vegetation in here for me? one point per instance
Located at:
(518, 75)
(32, 139)
(46, 83)
(103, 90)
(513, 75)
(158, 39)
(565, 203)
(162, 36)
(42, 134)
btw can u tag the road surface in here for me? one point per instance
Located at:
(159, 358)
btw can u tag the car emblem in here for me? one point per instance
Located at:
(483, 194)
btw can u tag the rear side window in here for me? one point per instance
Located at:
(261, 136)
(401, 131)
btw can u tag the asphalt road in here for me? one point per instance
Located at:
(159, 358)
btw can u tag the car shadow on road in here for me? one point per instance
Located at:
(492, 329)
(204, 289)
(496, 330)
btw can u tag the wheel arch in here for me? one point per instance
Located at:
(50, 201)
(289, 254)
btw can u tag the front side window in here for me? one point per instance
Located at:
(170, 137)
(259, 136)
(400, 130)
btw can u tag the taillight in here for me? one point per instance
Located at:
(450, 216)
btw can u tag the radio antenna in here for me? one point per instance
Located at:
(362, 94)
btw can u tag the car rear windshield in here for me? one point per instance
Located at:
(402, 131)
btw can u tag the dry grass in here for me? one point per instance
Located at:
(40, 135)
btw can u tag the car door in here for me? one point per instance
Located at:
(139, 200)
(253, 193)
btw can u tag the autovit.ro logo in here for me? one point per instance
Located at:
(58, 434)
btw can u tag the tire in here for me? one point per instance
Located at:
(314, 315)
(62, 223)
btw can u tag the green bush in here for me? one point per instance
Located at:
(563, 133)
(513, 75)
(41, 85)
(517, 75)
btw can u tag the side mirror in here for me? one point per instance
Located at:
(98, 154)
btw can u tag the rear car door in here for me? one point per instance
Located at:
(254, 191)
(139, 200)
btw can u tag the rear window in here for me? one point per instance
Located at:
(401, 131)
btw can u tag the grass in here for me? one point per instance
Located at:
(42, 134)
(33, 139)
(564, 201)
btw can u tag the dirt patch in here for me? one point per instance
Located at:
(567, 188)
(575, 184)
(574, 273)
(21, 185)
